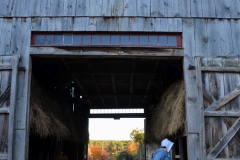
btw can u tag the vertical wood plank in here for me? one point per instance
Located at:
(202, 141)
(24, 9)
(185, 8)
(56, 7)
(34, 8)
(201, 37)
(69, 8)
(95, 8)
(188, 37)
(196, 8)
(113, 24)
(14, 63)
(157, 8)
(45, 7)
(21, 112)
(102, 23)
(135, 24)
(148, 24)
(15, 10)
(130, 8)
(5, 39)
(223, 8)
(79, 24)
(6, 7)
(81, 7)
(67, 23)
(36, 24)
(217, 89)
(208, 9)
(123, 24)
(214, 47)
(143, 8)
(235, 31)
(91, 24)
(15, 37)
(106, 8)
(118, 7)
(235, 10)
(191, 109)
(225, 34)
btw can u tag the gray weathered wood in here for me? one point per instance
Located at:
(3, 156)
(5, 38)
(196, 9)
(221, 114)
(221, 69)
(225, 139)
(4, 110)
(145, 53)
(208, 9)
(235, 29)
(200, 106)
(218, 104)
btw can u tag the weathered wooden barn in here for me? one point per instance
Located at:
(123, 54)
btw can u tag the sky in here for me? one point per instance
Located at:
(110, 129)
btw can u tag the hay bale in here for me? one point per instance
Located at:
(50, 116)
(169, 115)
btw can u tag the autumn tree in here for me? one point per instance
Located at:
(137, 135)
(104, 154)
(132, 148)
(95, 153)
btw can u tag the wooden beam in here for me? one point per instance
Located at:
(218, 104)
(5, 95)
(5, 67)
(225, 140)
(76, 80)
(107, 52)
(4, 110)
(221, 69)
(95, 81)
(153, 82)
(221, 114)
(200, 106)
(137, 73)
(207, 95)
(114, 88)
(130, 115)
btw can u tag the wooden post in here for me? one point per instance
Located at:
(202, 141)
(192, 111)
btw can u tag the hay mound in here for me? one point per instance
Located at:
(50, 116)
(169, 115)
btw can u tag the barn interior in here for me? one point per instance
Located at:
(94, 85)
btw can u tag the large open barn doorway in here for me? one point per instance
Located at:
(67, 91)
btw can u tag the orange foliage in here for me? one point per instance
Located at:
(132, 148)
(104, 154)
(95, 153)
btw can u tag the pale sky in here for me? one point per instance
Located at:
(110, 129)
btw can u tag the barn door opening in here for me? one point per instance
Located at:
(8, 80)
(218, 84)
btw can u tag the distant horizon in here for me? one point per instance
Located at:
(110, 129)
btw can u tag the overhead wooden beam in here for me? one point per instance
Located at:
(140, 106)
(130, 115)
(225, 140)
(107, 52)
(76, 80)
(218, 104)
(153, 82)
(114, 88)
(94, 80)
(154, 69)
(110, 73)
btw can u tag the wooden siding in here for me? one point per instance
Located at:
(121, 8)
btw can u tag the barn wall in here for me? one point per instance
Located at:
(121, 8)
(208, 30)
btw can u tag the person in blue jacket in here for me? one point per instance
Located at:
(162, 152)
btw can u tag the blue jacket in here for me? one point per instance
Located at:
(161, 154)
